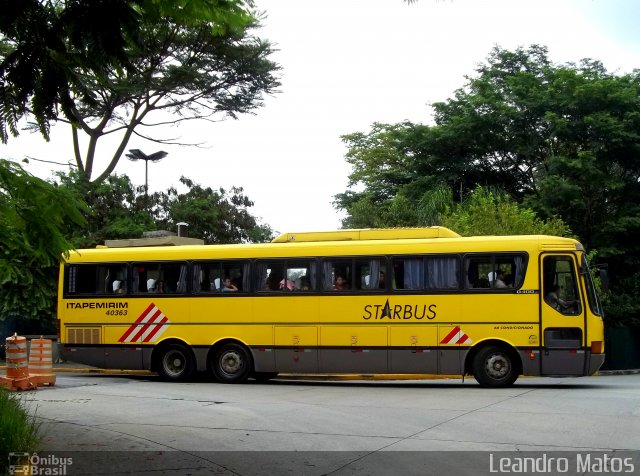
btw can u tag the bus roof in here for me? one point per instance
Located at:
(367, 234)
(312, 246)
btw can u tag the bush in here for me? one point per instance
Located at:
(18, 431)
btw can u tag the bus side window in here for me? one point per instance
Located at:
(408, 273)
(98, 279)
(160, 277)
(337, 275)
(371, 274)
(268, 274)
(443, 272)
(501, 271)
(300, 276)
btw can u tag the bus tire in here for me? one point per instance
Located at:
(494, 366)
(232, 363)
(175, 363)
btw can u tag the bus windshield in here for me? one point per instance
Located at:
(592, 295)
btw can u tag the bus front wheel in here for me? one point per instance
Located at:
(231, 363)
(494, 366)
(175, 363)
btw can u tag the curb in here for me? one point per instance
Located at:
(619, 372)
(323, 377)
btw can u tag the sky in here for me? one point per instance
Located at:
(345, 65)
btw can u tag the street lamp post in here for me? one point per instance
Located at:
(180, 225)
(137, 154)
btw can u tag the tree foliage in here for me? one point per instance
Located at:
(119, 210)
(483, 211)
(111, 66)
(116, 209)
(487, 212)
(33, 214)
(217, 216)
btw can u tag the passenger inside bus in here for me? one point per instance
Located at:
(273, 282)
(500, 281)
(151, 285)
(341, 284)
(287, 285)
(305, 283)
(228, 286)
(554, 300)
(117, 287)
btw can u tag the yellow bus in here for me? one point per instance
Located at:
(394, 301)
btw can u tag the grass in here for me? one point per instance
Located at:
(18, 430)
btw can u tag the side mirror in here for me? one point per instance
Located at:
(603, 272)
(604, 279)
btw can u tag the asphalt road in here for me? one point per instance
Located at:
(141, 425)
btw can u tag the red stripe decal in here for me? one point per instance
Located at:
(158, 326)
(450, 335)
(135, 325)
(146, 326)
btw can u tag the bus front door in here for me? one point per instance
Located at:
(562, 316)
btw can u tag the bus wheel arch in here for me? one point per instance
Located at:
(493, 363)
(230, 361)
(173, 360)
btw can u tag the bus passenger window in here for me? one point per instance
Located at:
(300, 276)
(370, 274)
(159, 278)
(89, 279)
(499, 271)
(209, 276)
(268, 274)
(408, 273)
(443, 272)
(337, 275)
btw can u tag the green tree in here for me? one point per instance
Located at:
(33, 215)
(115, 210)
(189, 67)
(564, 136)
(118, 210)
(217, 216)
(487, 212)
(409, 160)
(48, 47)
(399, 211)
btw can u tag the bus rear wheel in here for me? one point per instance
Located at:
(494, 366)
(175, 363)
(231, 363)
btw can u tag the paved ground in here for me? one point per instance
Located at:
(137, 424)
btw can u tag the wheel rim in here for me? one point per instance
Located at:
(498, 366)
(174, 363)
(231, 362)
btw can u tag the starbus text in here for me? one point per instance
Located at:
(398, 311)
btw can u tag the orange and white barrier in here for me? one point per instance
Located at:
(17, 371)
(41, 362)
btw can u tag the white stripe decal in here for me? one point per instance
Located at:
(146, 326)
